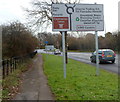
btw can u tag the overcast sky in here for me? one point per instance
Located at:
(12, 10)
(119, 16)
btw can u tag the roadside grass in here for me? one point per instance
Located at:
(79, 51)
(81, 82)
(10, 85)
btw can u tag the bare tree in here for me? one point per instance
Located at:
(39, 15)
(17, 40)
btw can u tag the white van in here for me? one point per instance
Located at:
(49, 48)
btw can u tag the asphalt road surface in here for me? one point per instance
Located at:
(85, 57)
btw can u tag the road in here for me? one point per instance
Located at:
(85, 57)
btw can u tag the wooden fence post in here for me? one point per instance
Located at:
(7, 68)
(15, 63)
(11, 65)
(3, 66)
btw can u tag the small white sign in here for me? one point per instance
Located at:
(81, 17)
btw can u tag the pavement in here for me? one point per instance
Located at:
(34, 85)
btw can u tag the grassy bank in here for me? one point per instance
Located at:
(79, 51)
(12, 82)
(81, 82)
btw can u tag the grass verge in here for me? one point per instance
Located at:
(81, 82)
(79, 51)
(11, 83)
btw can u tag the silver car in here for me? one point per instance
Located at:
(57, 51)
(105, 55)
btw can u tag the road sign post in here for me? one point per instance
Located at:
(78, 17)
(64, 57)
(97, 56)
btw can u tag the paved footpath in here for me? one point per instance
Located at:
(34, 85)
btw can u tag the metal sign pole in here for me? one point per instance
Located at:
(97, 57)
(64, 59)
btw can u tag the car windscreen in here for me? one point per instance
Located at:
(108, 52)
(99, 52)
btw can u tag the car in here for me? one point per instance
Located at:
(57, 51)
(105, 55)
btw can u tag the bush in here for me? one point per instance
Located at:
(17, 40)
